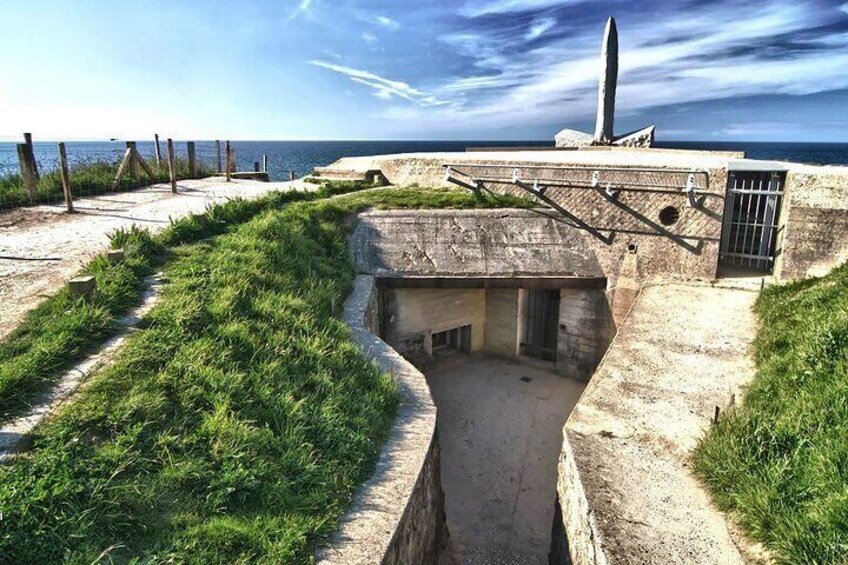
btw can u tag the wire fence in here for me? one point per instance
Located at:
(34, 177)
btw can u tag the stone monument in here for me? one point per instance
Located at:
(606, 105)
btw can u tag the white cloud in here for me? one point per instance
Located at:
(384, 89)
(369, 37)
(301, 8)
(387, 22)
(539, 27)
(476, 9)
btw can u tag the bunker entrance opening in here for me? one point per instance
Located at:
(452, 341)
(752, 210)
(501, 407)
(539, 323)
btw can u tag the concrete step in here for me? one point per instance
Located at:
(373, 176)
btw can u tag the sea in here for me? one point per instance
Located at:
(301, 157)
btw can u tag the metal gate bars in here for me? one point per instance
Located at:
(751, 219)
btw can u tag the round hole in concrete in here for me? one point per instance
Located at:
(632, 248)
(669, 215)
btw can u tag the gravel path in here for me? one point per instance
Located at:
(42, 247)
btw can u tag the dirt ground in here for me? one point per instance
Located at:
(42, 247)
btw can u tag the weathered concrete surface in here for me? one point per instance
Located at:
(625, 487)
(470, 243)
(814, 236)
(398, 515)
(610, 227)
(568, 138)
(586, 327)
(640, 138)
(412, 315)
(427, 169)
(28, 236)
(607, 81)
(500, 438)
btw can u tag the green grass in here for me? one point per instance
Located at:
(88, 179)
(61, 331)
(779, 461)
(235, 427)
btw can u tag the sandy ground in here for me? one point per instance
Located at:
(500, 428)
(42, 247)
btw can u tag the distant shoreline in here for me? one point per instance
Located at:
(301, 157)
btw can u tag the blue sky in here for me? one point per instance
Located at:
(381, 69)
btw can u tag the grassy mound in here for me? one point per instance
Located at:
(779, 461)
(62, 331)
(236, 425)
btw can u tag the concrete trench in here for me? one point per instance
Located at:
(500, 429)
(500, 412)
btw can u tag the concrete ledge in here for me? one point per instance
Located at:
(398, 515)
(541, 281)
(625, 488)
(373, 176)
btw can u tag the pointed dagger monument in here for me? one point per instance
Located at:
(607, 83)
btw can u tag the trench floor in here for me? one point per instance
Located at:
(500, 429)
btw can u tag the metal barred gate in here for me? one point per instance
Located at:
(752, 211)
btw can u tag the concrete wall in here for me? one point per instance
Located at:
(630, 224)
(502, 322)
(412, 315)
(814, 221)
(610, 228)
(586, 328)
(397, 516)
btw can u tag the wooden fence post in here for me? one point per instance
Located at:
(132, 162)
(229, 153)
(233, 163)
(218, 153)
(264, 163)
(26, 171)
(158, 151)
(256, 166)
(292, 176)
(172, 165)
(192, 159)
(66, 178)
(33, 164)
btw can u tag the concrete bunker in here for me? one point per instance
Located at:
(506, 354)
(505, 366)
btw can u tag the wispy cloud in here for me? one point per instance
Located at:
(703, 52)
(381, 21)
(369, 37)
(539, 27)
(387, 22)
(384, 89)
(475, 9)
(301, 8)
